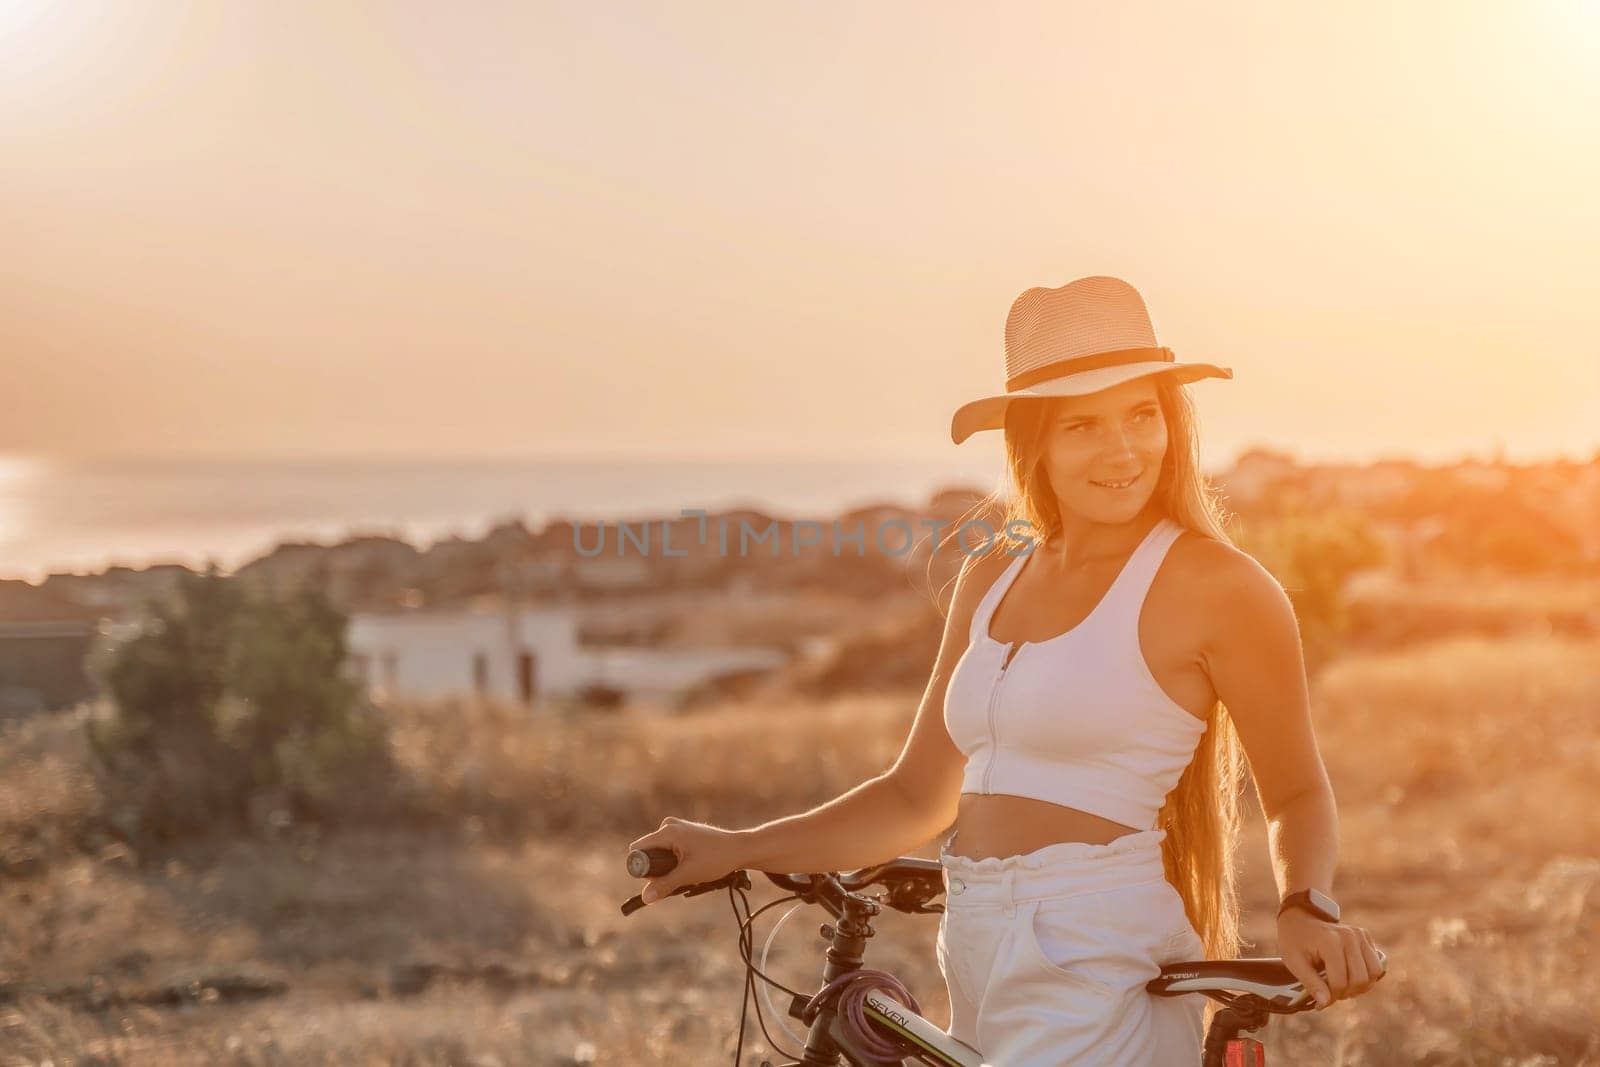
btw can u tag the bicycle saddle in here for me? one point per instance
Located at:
(1267, 977)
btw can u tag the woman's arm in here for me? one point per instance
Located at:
(868, 824)
(1254, 659)
(889, 814)
(914, 799)
(871, 823)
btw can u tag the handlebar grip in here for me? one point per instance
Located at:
(650, 862)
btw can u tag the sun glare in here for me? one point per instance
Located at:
(15, 473)
(1571, 28)
(17, 17)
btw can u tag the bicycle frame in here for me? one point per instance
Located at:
(925, 1041)
(827, 1040)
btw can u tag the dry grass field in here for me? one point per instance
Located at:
(488, 933)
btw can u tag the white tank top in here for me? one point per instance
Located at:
(1077, 719)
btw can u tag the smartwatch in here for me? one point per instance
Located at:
(1310, 900)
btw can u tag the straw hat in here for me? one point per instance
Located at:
(1080, 338)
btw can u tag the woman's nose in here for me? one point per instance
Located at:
(1119, 446)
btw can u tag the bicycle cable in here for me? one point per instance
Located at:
(850, 989)
(761, 990)
(751, 972)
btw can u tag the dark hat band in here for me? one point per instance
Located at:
(1063, 367)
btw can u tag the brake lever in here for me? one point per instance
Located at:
(740, 879)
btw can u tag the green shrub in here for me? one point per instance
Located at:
(224, 695)
(170, 676)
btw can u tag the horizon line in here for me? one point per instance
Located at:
(1496, 452)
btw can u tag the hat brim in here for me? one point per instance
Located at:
(989, 413)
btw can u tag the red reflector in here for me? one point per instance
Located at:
(1245, 1052)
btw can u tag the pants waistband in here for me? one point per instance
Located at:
(1067, 868)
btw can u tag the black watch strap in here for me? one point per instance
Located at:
(1310, 900)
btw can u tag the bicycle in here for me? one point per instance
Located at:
(856, 1014)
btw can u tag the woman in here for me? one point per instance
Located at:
(1083, 725)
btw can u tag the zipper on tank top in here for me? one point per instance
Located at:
(994, 702)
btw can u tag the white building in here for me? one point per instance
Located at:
(520, 656)
(527, 656)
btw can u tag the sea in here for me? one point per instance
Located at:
(82, 515)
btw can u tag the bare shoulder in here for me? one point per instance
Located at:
(978, 573)
(1226, 584)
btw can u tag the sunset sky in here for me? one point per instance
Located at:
(410, 229)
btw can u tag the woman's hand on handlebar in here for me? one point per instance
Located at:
(1344, 951)
(704, 853)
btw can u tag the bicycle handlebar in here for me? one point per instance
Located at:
(911, 883)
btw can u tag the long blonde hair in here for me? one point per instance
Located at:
(1202, 815)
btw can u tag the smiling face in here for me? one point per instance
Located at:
(1103, 452)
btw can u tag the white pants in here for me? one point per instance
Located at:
(1046, 956)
